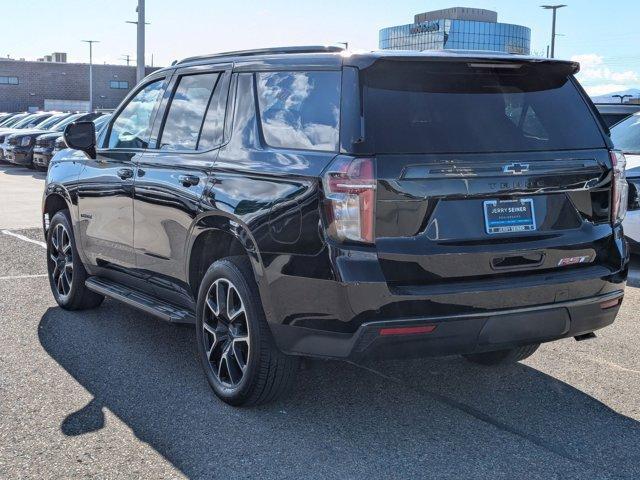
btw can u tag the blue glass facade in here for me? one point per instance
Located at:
(457, 34)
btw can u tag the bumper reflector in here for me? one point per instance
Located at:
(407, 330)
(610, 303)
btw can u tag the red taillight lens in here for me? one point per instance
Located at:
(619, 188)
(407, 330)
(610, 303)
(350, 188)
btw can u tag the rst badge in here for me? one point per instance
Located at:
(574, 260)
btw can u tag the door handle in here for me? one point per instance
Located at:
(125, 173)
(189, 180)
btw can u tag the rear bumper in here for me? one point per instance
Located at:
(342, 318)
(459, 334)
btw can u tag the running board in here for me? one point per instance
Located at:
(139, 300)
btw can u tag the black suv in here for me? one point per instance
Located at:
(309, 201)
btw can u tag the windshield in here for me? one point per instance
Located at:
(626, 135)
(59, 127)
(13, 120)
(49, 122)
(434, 107)
(31, 121)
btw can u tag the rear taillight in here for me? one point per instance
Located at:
(619, 188)
(350, 188)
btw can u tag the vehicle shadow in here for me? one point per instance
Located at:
(442, 418)
(10, 169)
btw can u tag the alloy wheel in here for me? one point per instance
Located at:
(226, 333)
(61, 260)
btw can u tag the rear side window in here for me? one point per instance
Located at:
(186, 113)
(300, 110)
(432, 107)
(213, 126)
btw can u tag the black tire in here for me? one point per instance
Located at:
(253, 371)
(68, 288)
(503, 357)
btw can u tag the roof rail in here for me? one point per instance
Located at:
(267, 51)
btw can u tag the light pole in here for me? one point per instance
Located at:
(91, 42)
(140, 70)
(553, 26)
(622, 97)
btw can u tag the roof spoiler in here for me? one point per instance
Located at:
(477, 60)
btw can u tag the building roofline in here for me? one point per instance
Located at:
(5, 60)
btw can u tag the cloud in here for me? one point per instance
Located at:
(588, 60)
(595, 73)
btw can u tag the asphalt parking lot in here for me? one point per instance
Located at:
(115, 393)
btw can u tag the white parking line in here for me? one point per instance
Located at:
(614, 366)
(26, 239)
(20, 277)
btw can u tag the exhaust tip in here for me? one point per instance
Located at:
(586, 336)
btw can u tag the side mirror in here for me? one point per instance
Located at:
(81, 136)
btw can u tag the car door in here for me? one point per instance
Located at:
(171, 178)
(105, 185)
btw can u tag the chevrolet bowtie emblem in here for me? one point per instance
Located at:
(516, 168)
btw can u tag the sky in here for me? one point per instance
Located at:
(602, 34)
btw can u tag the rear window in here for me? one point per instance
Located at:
(300, 110)
(433, 107)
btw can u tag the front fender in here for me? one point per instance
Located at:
(62, 181)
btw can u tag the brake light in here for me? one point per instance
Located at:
(619, 188)
(350, 187)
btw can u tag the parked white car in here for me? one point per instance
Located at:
(626, 137)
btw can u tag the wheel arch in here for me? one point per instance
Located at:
(55, 200)
(217, 236)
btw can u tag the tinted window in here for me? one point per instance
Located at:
(51, 121)
(626, 135)
(429, 107)
(100, 121)
(186, 111)
(61, 125)
(300, 109)
(213, 127)
(613, 118)
(131, 129)
(31, 121)
(37, 121)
